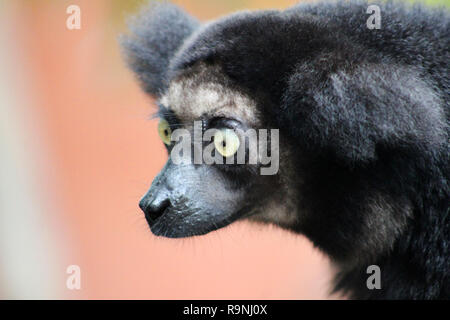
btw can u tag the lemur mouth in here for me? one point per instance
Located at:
(172, 223)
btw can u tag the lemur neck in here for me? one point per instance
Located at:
(418, 267)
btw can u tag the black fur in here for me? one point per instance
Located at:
(157, 33)
(367, 114)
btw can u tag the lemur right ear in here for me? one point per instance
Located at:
(156, 34)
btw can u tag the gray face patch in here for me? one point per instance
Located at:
(282, 208)
(205, 91)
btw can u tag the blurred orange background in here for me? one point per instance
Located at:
(79, 151)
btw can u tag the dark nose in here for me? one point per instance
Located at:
(154, 208)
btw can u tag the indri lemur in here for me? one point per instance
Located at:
(363, 119)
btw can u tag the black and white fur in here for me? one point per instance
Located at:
(364, 121)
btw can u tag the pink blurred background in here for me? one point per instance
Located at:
(72, 170)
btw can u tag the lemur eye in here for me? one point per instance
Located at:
(164, 131)
(226, 142)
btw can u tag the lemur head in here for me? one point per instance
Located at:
(196, 196)
(333, 142)
(202, 114)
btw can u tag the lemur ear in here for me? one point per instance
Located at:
(355, 114)
(156, 34)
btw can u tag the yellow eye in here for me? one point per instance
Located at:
(164, 131)
(226, 142)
